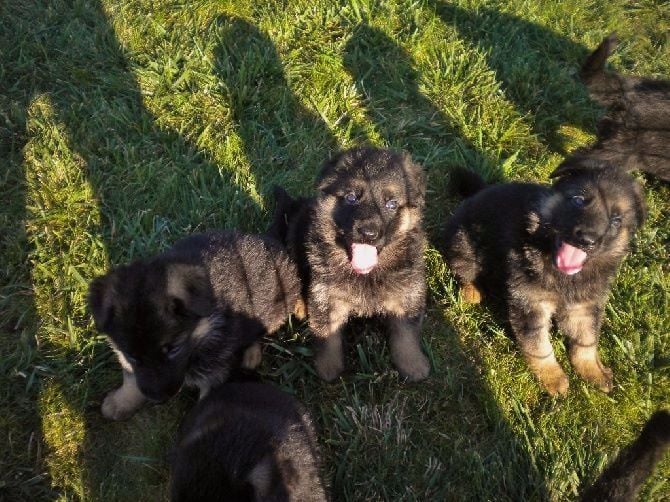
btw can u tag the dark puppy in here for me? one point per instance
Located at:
(622, 480)
(246, 441)
(635, 132)
(188, 315)
(549, 253)
(359, 248)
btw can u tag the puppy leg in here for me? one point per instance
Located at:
(252, 356)
(581, 324)
(122, 403)
(326, 325)
(531, 328)
(405, 342)
(461, 256)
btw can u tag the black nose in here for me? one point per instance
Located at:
(584, 237)
(368, 232)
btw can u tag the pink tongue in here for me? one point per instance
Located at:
(569, 259)
(363, 257)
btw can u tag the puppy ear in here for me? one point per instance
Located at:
(101, 293)
(189, 290)
(327, 172)
(415, 181)
(578, 163)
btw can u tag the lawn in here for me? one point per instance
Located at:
(125, 125)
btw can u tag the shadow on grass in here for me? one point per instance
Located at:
(537, 67)
(279, 134)
(151, 184)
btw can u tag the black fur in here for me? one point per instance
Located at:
(246, 441)
(622, 480)
(505, 242)
(358, 192)
(186, 316)
(635, 132)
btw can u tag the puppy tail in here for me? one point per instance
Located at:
(595, 63)
(623, 478)
(465, 182)
(285, 207)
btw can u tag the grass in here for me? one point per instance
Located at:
(125, 125)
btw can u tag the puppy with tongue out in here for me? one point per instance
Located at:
(548, 254)
(359, 247)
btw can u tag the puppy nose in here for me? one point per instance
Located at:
(369, 232)
(584, 237)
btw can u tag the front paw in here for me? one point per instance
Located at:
(252, 357)
(415, 367)
(471, 294)
(595, 373)
(553, 379)
(329, 366)
(120, 404)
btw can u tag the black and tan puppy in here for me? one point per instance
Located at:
(191, 314)
(549, 253)
(359, 247)
(635, 132)
(247, 441)
(622, 480)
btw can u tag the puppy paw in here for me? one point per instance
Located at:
(597, 374)
(554, 380)
(415, 369)
(471, 294)
(300, 309)
(118, 405)
(328, 366)
(252, 357)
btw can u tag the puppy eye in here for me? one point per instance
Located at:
(171, 351)
(350, 198)
(578, 201)
(615, 221)
(392, 204)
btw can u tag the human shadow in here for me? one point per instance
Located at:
(62, 67)
(284, 141)
(537, 67)
(385, 75)
(388, 83)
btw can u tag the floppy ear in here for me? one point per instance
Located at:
(415, 181)
(189, 290)
(101, 294)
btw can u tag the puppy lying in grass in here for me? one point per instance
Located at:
(359, 249)
(548, 253)
(247, 441)
(191, 314)
(635, 132)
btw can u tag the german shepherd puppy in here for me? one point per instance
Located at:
(359, 248)
(246, 441)
(190, 314)
(622, 480)
(635, 132)
(548, 252)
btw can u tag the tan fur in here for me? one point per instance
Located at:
(252, 356)
(471, 294)
(123, 402)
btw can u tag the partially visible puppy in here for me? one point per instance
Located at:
(247, 441)
(635, 132)
(359, 249)
(191, 314)
(622, 480)
(549, 253)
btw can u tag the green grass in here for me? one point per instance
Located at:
(126, 125)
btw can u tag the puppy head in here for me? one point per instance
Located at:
(150, 310)
(373, 196)
(594, 213)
